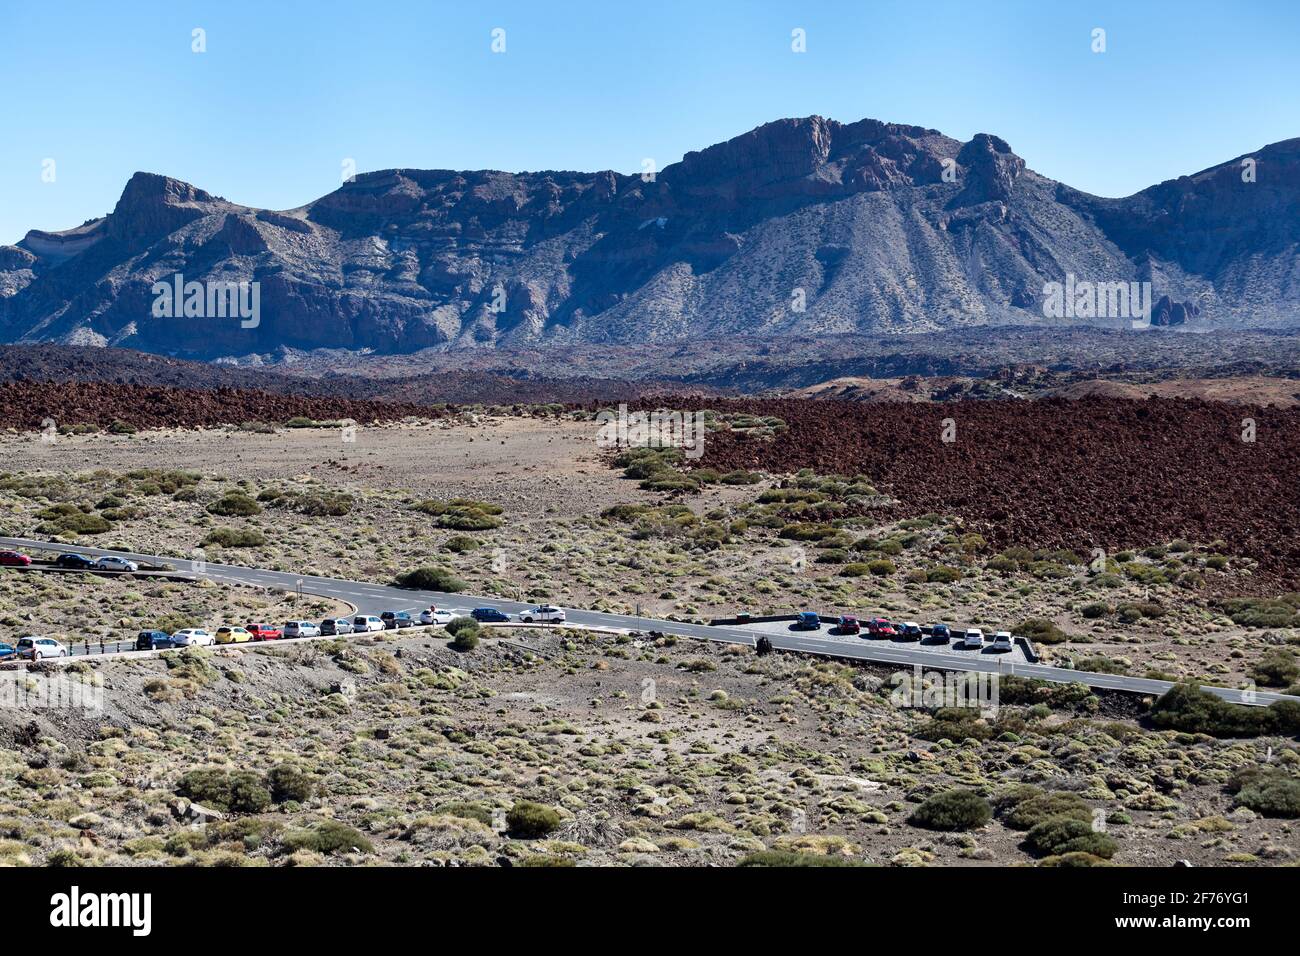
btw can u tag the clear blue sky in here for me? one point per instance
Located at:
(290, 88)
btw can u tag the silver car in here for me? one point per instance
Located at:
(111, 562)
(301, 629)
(335, 625)
(39, 648)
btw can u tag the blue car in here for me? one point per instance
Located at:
(489, 615)
(940, 632)
(7, 651)
(808, 621)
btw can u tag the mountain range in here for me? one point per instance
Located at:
(799, 227)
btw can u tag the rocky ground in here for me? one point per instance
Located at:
(638, 751)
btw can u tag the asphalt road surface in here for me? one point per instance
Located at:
(374, 598)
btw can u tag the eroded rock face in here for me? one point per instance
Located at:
(799, 227)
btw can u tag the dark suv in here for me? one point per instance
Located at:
(396, 619)
(153, 641)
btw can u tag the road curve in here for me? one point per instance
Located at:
(373, 598)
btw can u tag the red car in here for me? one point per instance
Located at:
(265, 632)
(879, 627)
(14, 559)
(848, 624)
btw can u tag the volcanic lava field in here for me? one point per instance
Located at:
(1092, 473)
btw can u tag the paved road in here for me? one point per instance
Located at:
(373, 598)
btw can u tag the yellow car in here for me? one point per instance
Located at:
(233, 635)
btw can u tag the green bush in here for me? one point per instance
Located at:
(952, 810)
(462, 543)
(1189, 708)
(1094, 610)
(1028, 813)
(465, 639)
(790, 858)
(942, 574)
(1041, 630)
(530, 820)
(327, 836)
(235, 504)
(290, 782)
(235, 537)
(431, 579)
(458, 624)
(1057, 836)
(1277, 668)
(238, 791)
(881, 567)
(1273, 794)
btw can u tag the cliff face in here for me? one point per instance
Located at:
(802, 226)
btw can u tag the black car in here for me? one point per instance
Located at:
(153, 641)
(489, 615)
(396, 619)
(940, 633)
(75, 562)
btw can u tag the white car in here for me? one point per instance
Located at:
(365, 623)
(111, 562)
(434, 616)
(546, 613)
(39, 648)
(1002, 641)
(301, 629)
(194, 637)
(974, 637)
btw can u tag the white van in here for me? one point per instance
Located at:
(974, 637)
(365, 623)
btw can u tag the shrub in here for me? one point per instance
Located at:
(235, 504)
(1057, 836)
(465, 639)
(1094, 610)
(1272, 794)
(430, 579)
(235, 537)
(239, 791)
(1277, 668)
(1041, 630)
(855, 569)
(458, 624)
(791, 858)
(1189, 708)
(462, 543)
(531, 820)
(1028, 813)
(462, 514)
(881, 567)
(290, 782)
(952, 810)
(119, 427)
(942, 574)
(327, 836)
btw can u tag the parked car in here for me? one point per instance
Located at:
(7, 652)
(364, 623)
(39, 648)
(543, 614)
(335, 625)
(231, 634)
(1002, 641)
(396, 620)
(193, 637)
(73, 561)
(910, 631)
(940, 633)
(489, 615)
(14, 559)
(265, 632)
(432, 615)
(153, 641)
(111, 562)
(879, 627)
(974, 637)
(301, 629)
(808, 621)
(848, 624)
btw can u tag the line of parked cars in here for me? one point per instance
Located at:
(971, 637)
(71, 561)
